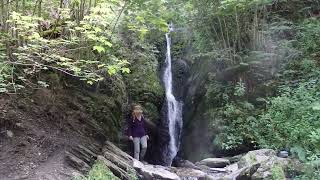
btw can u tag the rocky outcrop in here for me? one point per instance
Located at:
(258, 164)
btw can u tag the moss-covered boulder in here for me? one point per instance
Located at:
(261, 164)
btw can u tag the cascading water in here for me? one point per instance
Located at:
(174, 111)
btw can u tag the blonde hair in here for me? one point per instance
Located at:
(136, 110)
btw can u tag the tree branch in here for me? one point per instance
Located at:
(43, 65)
(115, 24)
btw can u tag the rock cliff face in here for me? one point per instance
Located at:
(197, 140)
(198, 131)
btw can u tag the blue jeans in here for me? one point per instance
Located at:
(136, 143)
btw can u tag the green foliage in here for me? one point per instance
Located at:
(240, 89)
(309, 35)
(311, 169)
(238, 116)
(146, 17)
(277, 173)
(242, 32)
(291, 119)
(240, 123)
(99, 171)
(84, 40)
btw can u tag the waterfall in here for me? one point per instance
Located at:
(174, 111)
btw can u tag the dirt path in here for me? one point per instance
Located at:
(36, 134)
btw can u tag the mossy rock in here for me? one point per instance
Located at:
(269, 165)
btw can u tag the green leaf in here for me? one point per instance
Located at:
(107, 43)
(112, 70)
(97, 29)
(99, 49)
(125, 70)
(316, 107)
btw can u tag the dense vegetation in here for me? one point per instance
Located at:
(268, 52)
(272, 100)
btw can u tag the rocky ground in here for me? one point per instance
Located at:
(258, 164)
(43, 134)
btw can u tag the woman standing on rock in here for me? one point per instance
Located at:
(137, 132)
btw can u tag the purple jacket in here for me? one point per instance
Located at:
(136, 127)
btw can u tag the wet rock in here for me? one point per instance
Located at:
(154, 172)
(283, 154)
(235, 159)
(188, 173)
(214, 162)
(185, 164)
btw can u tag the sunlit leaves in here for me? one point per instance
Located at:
(125, 70)
(149, 17)
(100, 49)
(231, 6)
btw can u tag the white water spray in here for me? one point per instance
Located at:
(174, 111)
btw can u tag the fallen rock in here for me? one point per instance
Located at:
(154, 172)
(214, 162)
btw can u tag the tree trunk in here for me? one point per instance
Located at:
(81, 13)
(3, 18)
(39, 8)
(17, 5)
(24, 7)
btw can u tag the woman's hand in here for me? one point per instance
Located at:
(131, 138)
(147, 137)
